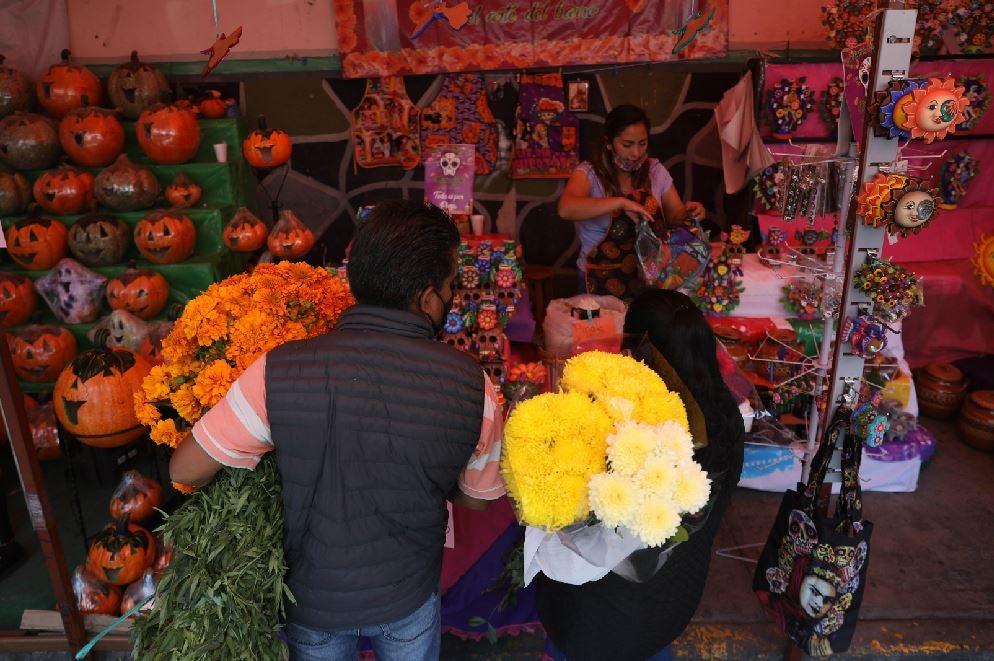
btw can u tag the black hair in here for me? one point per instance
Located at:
(400, 248)
(679, 331)
(615, 122)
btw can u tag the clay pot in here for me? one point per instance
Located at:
(941, 389)
(975, 423)
(28, 141)
(731, 338)
(16, 93)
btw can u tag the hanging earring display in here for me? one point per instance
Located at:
(976, 92)
(983, 259)
(957, 173)
(889, 108)
(935, 110)
(831, 104)
(804, 192)
(893, 289)
(789, 102)
(897, 202)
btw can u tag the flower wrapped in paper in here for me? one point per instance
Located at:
(604, 471)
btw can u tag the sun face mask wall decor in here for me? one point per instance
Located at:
(900, 203)
(935, 110)
(889, 107)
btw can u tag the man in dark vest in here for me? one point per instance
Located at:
(374, 426)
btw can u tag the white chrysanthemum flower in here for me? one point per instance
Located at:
(614, 498)
(658, 477)
(629, 447)
(656, 521)
(674, 442)
(693, 487)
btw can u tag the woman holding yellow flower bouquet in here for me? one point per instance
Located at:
(614, 618)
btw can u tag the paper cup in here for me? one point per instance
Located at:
(477, 221)
(221, 152)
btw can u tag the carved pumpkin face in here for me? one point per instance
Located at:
(15, 193)
(39, 353)
(168, 134)
(28, 141)
(63, 87)
(125, 186)
(213, 106)
(182, 192)
(37, 243)
(135, 497)
(290, 238)
(142, 292)
(17, 299)
(135, 86)
(15, 90)
(267, 148)
(94, 596)
(65, 190)
(245, 232)
(92, 136)
(99, 239)
(72, 291)
(120, 553)
(94, 396)
(165, 237)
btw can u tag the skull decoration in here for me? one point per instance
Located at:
(450, 162)
(802, 532)
(73, 291)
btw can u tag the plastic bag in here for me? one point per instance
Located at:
(138, 592)
(569, 329)
(93, 596)
(675, 259)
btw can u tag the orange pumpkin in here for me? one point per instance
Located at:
(28, 141)
(267, 148)
(63, 87)
(65, 190)
(94, 396)
(37, 243)
(168, 134)
(135, 497)
(142, 292)
(15, 193)
(213, 106)
(290, 238)
(39, 353)
(15, 90)
(120, 553)
(99, 239)
(92, 136)
(17, 299)
(245, 232)
(134, 86)
(183, 192)
(165, 237)
(93, 596)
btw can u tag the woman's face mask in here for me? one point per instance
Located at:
(629, 164)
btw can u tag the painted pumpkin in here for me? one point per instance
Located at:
(142, 292)
(72, 291)
(94, 396)
(99, 239)
(151, 347)
(165, 237)
(266, 147)
(28, 141)
(15, 192)
(63, 87)
(37, 243)
(120, 553)
(168, 134)
(39, 353)
(119, 329)
(245, 232)
(183, 193)
(65, 190)
(125, 186)
(93, 596)
(290, 238)
(17, 299)
(15, 90)
(213, 106)
(135, 497)
(134, 86)
(92, 136)
(139, 591)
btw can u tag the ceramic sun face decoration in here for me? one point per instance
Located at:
(890, 108)
(935, 110)
(983, 259)
(899, 203)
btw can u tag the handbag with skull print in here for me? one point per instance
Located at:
(812, 572)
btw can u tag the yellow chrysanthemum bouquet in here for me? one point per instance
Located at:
(612, 446)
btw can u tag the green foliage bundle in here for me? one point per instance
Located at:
(223, 593)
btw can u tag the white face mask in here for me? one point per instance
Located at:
(628, 164)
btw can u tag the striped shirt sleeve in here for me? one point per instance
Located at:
(481, 477)
(236, 431)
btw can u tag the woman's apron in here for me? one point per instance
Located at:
(613, 265)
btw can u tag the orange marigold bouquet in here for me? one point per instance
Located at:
(222, 331)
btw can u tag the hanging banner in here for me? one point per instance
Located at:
(383, 37)
(449, 173)
(545, 134)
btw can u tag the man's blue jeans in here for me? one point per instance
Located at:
(417, 637)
